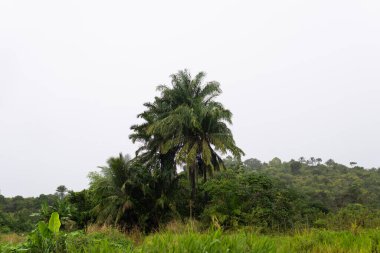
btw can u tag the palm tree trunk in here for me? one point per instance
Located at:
(192, 181)
(193, 188)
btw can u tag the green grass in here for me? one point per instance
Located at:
(315, 241)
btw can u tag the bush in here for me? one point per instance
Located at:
(352, 217)
(248, 199)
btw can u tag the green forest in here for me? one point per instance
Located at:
(188, 189)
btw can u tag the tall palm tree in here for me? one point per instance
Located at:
(187, 123)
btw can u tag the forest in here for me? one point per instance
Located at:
(188, 189)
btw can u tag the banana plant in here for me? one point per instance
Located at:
(46, 236)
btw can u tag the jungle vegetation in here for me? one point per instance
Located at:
(189, 169)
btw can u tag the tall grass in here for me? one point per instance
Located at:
(187, 241)
(314, 241)
(11, 238)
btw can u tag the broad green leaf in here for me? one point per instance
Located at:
(43, 229)
(54, 223)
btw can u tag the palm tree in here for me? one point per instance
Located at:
(113, 189)
(128, 195)
(187, 125)
(312, 161)
(61, 191)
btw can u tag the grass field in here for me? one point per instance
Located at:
(216, 241)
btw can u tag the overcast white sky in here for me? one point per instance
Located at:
(302, 78)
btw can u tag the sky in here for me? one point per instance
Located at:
(302, 78)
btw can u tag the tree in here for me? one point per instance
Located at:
(253, 163)
(275, 162)
(82, 204)
(330, 162)
(249, 198)
(110, 189)
(126, 193)
(295, 166)
(185, 125)
(353, 164)
(61, 191)
(233, 163)
(311, 161)
(319, 161)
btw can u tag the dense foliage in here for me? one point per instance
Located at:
(274, 196)
(19, 214)
(330, 185)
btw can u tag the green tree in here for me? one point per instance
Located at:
(330, 163)
(61, 191)
(253, 163)
(127, 194)
(275, 162)
(312, 161)
(185, 125)
(82, 204)
(110, 188)
(249, 198)
(295, 166)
